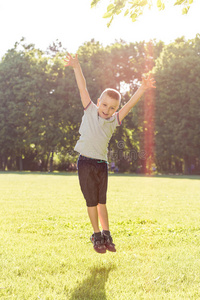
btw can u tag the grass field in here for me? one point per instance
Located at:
(45, 252)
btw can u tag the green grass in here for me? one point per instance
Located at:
(45, 252)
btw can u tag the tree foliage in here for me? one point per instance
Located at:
(135, 8)
(40, 108)
(177, 105)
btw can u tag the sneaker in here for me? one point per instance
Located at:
(98, 244)
(109, 243)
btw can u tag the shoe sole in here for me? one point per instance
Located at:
(111, 250)
(99, 251)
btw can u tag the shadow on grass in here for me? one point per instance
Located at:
(55, 173)
(93, 287)
(38, 173)
(197, 177)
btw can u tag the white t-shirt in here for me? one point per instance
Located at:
(95, 133)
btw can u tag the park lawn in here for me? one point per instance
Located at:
(45, 252)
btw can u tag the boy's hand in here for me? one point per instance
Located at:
(73, 62)
(148, 82)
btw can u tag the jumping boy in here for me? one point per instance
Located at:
(98, 124)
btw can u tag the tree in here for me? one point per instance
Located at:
(135, 8)
(26, 110)
(177, 106)
(16, 85)
(40, 107)
(130, 62)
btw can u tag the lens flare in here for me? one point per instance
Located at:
(149, 117)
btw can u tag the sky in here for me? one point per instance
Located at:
(73, 23)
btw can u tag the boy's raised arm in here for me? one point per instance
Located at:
(146, 84)
(80, 79)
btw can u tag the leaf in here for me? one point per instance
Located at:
(185, 10)
(179, 2)
(110, 7)
(134, 17)
(159, 3)
(107, 15)
(190, 1)
(144, 3)
(163, 6)
(118, 12)
(109, 12)
(94, 3)
(126, 12)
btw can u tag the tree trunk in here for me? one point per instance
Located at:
(1, 163)
(51, 162)
(46, 162)
(20, 164)
(4, 162)
(186, 165)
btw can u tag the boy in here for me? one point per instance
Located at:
(98, 124)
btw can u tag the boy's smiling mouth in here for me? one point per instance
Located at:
(104, 115)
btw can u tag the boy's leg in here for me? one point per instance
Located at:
(103, 216)
(108, 241)
(89, 188)
(93, 215)
(97, 238)
(88, 178)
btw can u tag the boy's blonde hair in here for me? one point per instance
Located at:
(114, 94)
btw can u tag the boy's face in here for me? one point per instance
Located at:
(107, 106)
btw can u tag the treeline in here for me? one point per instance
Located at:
(40, 108)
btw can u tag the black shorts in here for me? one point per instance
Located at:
(93, 179)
